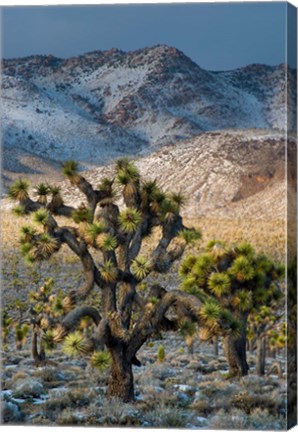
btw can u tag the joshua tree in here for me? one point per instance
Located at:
(236, 278)
(114, 228)
(261, 324)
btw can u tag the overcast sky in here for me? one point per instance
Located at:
(216, 36)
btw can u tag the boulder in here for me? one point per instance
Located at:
(11, 413)
(28, 388)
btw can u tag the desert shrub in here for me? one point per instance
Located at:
(161, 354)
(69, 417)
(167, 417)
(258, 419)
(244, 401)
(47, 374)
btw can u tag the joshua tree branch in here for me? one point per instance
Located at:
(73, 318)
(153, 316)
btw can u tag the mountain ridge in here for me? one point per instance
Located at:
(103, 104)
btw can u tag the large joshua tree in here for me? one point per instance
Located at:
(114, 227)
(236, 278)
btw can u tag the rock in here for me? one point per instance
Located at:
(14, 360)
(28, 388)
(11, 413)
(185, 388)
(199, 396)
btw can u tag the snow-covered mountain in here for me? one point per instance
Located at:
(103, 104)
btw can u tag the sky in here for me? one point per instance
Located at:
(218, 36)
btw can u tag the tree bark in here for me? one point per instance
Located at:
(235, 351)
(261, 355)
(38, 354)
(121, 383)
(215, 345)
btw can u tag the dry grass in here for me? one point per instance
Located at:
(268, 236)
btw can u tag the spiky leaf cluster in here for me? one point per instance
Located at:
(106, 242)
(19, 190)
(101, 360)
(42, 190)
(129, 220)
(19, 210)
(237, 277)
(141, 267)
(187, 328)
(76, 344)
(41, 216)
(92, 231)
(82, 214)
(190, 236)
(126, 172)
(109, 272)
(70, 168)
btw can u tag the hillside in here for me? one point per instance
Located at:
(103, 104)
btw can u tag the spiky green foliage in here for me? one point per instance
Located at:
(219, 284)
(168, 209)
(48, 340)
(126, 171)
(106, 184)
(122, 163)
(187, 265)
(57, 306)
(82, 214)
(244, 300)
(141, 267)
(109, 272)
(130, 219)
(29, 259)
(76, 344)
(101, 360)
(19, 210)
(19, 190)
(217, 249)
(148, 191)
(106, 242)
(27, 233)
(41, 216)
(187, 328)
(93, 230)
(228, 320)
(157, 200)
(190, 236)
(70, 168)
(42, 189)
(55, 190)
(25, 248)
(231, 281)
(210, 312)
(161, 354)
(245, 249)
(242, 269)
(178, 198)
(46, 245)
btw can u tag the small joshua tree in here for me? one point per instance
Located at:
(236, 278)
(124, 319)
(261, 324)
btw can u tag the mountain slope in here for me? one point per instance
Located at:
(100, 105)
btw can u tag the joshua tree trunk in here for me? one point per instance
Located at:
(215, 345)
(121, 384)
(261, 355)
(190, 345)
(38, 353)
(235, 351)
